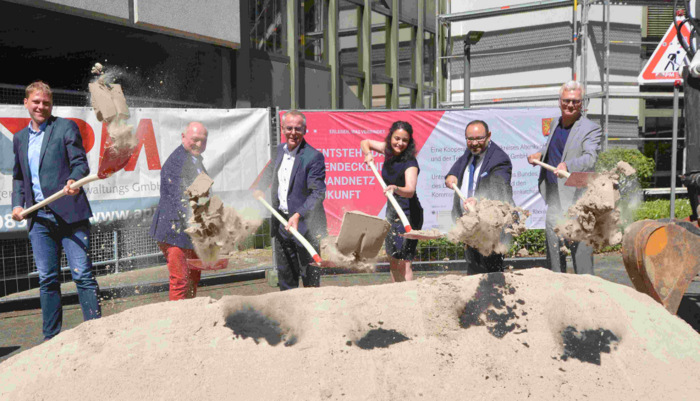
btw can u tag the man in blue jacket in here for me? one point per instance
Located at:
(482, 172)
(298, 189)
(173, 211)
(49, 157)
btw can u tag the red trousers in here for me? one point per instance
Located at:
(183, 280)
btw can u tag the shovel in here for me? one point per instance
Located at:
(198, 264)
(111, 161)
(470, 207)
(576, 179)
(361, 235)
(399, 211)
(296, 234)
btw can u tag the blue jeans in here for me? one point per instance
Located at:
(49, 234)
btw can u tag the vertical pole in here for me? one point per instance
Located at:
(574, 40)
(365, 44)
(674, 152)
(332, 52)
(391, 45)
(414, 60)
(418, 56)
(226, 73)
(115, 247)
(584, 53)
(467, 72)
(242, 72)
(438, 54)
(606, 17)
(440, 41)
(293, 52)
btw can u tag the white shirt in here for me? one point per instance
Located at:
(284, 176)
(465, 177)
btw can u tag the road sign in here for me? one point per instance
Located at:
(664, 66)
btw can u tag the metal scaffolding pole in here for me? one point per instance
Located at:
(443, 17)
(574, 38)
(674, 150)
(292, 51)
(584, 53)
(606, 18)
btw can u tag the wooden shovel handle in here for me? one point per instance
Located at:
(294, 232)
(566, 174)
(60, 194)
(391, 198)
(462, 197)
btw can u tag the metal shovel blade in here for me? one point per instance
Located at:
(113, 160)
(579, 180)
(198, 264)
(361, 234)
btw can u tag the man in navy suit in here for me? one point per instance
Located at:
(49, 157)
(173, 211)
(572, 145)
(482, 172)
(298, 189)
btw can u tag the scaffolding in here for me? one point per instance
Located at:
(581, 8)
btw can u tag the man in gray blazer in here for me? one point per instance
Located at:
(572, 146)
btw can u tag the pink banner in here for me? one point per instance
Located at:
(351, 185)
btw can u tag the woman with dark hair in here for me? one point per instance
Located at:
(400, 173)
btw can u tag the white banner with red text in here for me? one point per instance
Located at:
(238, 147)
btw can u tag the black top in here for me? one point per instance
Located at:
(394, 173)
(556, 150)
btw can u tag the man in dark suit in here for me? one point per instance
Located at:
(49, 157)
(572, 145)
(482, 172)
(298, 189)
(173, 211)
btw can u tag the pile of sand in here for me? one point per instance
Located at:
(595, 217)
(213, 227)
(524, 335)
(484, 228)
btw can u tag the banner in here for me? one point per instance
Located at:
(238, 146)
(440, 140)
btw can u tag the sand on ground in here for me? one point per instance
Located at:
(520, 335)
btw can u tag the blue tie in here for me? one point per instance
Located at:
(470, 183)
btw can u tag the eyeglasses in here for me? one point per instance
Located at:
(477, 140)
(575, 102)
(298, 130)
